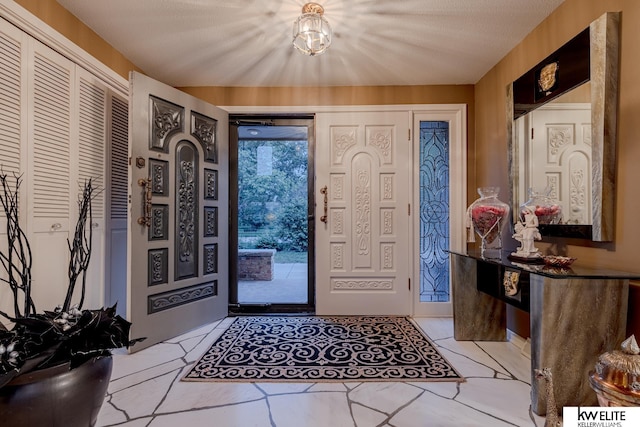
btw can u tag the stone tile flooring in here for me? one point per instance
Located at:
(146, 390)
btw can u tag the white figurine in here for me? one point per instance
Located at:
(526, 232)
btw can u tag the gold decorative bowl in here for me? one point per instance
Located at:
(616, 378)
(558, 261)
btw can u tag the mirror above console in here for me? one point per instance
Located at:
(561, 130)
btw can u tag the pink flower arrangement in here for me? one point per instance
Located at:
(487, 221)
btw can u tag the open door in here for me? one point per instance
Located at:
(178, 219)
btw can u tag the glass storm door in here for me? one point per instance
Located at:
(272, 191)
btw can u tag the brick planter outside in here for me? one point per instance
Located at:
(256, 264)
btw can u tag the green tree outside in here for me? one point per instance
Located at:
(272, 199)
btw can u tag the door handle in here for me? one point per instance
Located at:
(324, 191)
(146, 210)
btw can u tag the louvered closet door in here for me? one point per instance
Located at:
(50, 172)
(11, 122)
(118, 146)
(91, 131)
(53, 133)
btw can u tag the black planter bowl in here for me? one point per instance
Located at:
(56, 396)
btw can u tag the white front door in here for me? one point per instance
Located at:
(178, 218)
(362, 230)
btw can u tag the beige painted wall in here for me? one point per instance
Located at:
(69, 26)
(490, 157)
(337, 95)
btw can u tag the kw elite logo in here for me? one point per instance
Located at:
(601, 416)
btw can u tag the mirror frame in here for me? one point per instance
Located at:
(603, 73)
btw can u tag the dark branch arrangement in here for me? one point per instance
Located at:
(69, 333)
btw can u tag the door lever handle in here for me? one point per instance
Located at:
(146, 218)
(324, 191)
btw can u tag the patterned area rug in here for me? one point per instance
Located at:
(314, 349)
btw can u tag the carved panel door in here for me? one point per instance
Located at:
(362, 250)
(178, 232)
(564, 164)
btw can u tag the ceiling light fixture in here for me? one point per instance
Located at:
(311, 32)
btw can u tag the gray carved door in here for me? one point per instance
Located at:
(178, 231)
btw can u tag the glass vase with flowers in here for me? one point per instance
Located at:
(487, 216)
(545, 207)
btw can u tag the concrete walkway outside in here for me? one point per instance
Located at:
(289, 286)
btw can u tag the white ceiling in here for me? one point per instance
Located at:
(376, 42)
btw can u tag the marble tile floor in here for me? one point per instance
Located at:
(145, 390)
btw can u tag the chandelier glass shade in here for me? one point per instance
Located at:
(311, 31)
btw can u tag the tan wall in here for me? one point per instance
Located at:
(337, 95)
(490, 158)
(69, 26)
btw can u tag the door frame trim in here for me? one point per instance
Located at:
(312, 109)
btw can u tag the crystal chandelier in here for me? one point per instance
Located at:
(311, 32)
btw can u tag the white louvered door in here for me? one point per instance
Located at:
(12, 125)
(91, 131)
(117, 194)
(53, 127)
(49, 208)
(11, 98)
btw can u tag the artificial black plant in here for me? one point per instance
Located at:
(69, 333)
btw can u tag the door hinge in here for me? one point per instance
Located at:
(409, 134)
(409, 209)
(531, 133)
(409, 283)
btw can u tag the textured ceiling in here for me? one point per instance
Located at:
(376, 42)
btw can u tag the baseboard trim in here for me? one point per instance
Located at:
(524, 344)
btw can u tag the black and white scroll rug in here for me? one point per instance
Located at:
(315, 349)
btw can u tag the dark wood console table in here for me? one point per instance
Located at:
(576, 314)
